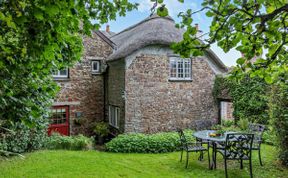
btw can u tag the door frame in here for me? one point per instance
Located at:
(67, 123)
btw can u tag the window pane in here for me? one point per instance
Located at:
(187, 68)
(180, 68)
(63, 72)
(173, 68)
(95, 66)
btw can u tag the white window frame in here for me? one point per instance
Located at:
(186, 70)
(92, 65)
(58, 75)
(114, 116)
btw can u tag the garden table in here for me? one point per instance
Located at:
(204, 135)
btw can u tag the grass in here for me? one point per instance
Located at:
(70, 164)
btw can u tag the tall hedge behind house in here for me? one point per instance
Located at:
(278, 109)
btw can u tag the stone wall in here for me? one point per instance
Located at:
(153, 103)
(115, 89)
(83, 91)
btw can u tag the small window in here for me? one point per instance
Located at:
(59, 115)
(95, 67)
(60, 73)
(180, 69)
(114, 116)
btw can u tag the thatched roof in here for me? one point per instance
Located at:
(153, 30)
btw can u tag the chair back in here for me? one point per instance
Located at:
(238, 146)
(202, 124)
(257, 130)
(183, 140)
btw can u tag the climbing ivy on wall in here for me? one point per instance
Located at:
(248, 95)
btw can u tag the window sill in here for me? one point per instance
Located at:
(113, 126)
(61, 79)
(180, 80)
(96, 73)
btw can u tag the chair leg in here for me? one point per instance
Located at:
(225, 165)
(187, 158)
(250, 166)
(259, 155)
(241, 163)
(215, 160)
(208, 159)
(181, 155)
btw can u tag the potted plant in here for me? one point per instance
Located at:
(101, 130)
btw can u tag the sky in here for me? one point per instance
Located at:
(174, 7)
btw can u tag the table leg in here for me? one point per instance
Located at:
(213, 162)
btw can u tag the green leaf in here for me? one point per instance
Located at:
(162, 11)
(52, 10)
(38, 14)
(240, 61)
(268, 79)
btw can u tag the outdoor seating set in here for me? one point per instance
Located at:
(231, 145)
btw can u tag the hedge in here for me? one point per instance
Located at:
(146, 143)
(79, 142)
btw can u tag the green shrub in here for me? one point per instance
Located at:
(23, 139)
(269, 136)
(101, 129)
(227, 123)
(278, 110)
(146, 143)
(79, 142)
(243, 123)
(248, 94)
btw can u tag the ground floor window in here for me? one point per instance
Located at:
(59, 120)
(60, 73)
(114, 116)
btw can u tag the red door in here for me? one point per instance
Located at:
(59, 120)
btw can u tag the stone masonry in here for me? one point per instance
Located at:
(83, 91)
(153, 103)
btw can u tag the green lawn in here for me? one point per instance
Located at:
(101, 164)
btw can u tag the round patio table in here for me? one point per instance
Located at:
(204, 135)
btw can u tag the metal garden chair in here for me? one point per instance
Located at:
(190, 147)
(202, 125)
(238, 146)
(257, 130)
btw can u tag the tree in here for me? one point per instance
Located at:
(250, 26)
(37, 37)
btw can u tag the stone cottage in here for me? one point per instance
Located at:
(134, 81)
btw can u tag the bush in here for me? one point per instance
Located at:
(146, 143)
(101, 129)
(278, 110)
(227, 123)
(269, 136)
(23, 139)
(249, 97)
(243, 123)
(79, 142)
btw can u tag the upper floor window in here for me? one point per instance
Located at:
(180, 69)
(60, 73)
(95, 66)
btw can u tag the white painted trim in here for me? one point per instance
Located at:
(95, 58)
(92, 64)
(66, 103)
